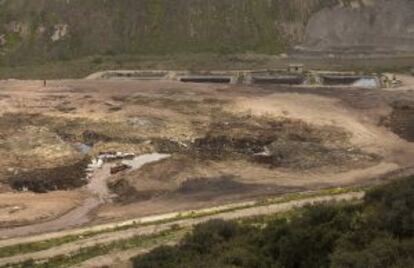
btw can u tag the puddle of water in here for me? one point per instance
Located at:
(83, 148)
(141, 160)
(366, 83)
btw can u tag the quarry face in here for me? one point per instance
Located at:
(115, 149)
(369, 27)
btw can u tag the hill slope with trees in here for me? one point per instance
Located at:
(377, 233)
(39, 31)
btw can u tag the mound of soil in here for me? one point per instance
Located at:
(225, 146)
(290, 144)
(46, 180)
(126, 193)
(401, 120)
(309, 155)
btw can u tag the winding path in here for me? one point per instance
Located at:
(80, 215)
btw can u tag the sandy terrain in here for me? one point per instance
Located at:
(227, 143)
(325, 111)
(407, 82)
(20, 208)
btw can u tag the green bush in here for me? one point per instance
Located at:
(375, 234)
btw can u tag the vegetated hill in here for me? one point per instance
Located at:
(378, 233)
(38, 31)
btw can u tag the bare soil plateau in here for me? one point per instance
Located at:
(220, 144)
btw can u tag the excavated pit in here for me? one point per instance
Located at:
(278, 80)
(338, 80)
(135, 75)
(206, 79)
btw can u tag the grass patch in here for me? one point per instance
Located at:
(82, 67)
(87, 253)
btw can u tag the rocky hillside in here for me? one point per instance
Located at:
(381, 26)
(36, 31)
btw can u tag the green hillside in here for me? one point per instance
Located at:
(38, 31)
(73, 38)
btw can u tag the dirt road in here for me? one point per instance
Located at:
(119, 259)
(157, 228)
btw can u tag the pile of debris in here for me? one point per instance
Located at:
(389, 80)
(105, 157)
(43, 180)
(119, 168)
(113, 156)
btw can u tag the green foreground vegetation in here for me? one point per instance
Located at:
(84, 254)
(37, 32)
(25, 248)
(376, 233)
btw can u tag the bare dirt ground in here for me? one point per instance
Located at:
(227, 143)
(21, 208)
